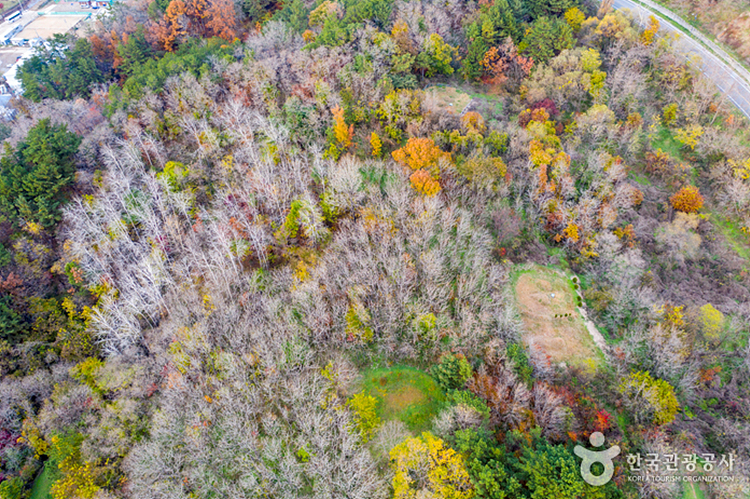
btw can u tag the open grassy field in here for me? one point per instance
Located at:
(42, 485)
(404, 393)
(448, 98)
(547, 302)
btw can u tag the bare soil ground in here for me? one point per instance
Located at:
(9, 55)
(46, 26)
(403, 398)
(552, 322)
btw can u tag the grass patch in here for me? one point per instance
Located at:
(404, 393)
(734, 237)
(448, 98)
(641, 179)
(692, 491)
(547, 302)
(664, 140)
(42, 484)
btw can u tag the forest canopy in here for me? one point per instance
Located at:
(371, 249)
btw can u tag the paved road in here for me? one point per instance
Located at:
(730, 78)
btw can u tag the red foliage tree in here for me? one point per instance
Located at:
(548, 105)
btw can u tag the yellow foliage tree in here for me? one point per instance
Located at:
(655, 395)
(340, 135)
(647, 37)
(483, 170)
(669, 114)
(376, 144)
(364, 407)
(323, 12)
(343, 133)
(575, 17)
(473, 121)
(425, 467)
(421, 153)
(689, 136)
(571, 232)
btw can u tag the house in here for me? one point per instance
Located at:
(94, 4)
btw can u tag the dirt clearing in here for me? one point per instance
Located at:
(548, 306)
(448, 99)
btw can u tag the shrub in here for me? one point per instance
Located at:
(357, 323)
(452, 372)
(688, 199)
(76, 476)
(364, 407)
(521, 365)
(711, 321)
(12, 488)
(466, 398)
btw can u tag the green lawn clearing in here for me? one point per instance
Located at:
(42, 485)
(404, 393)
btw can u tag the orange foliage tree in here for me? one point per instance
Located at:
(172, 27)
(421, 153)
(423, 183)
(222, 20)
(202, 18)
(503, 62)
(688, 199)
(494, 66)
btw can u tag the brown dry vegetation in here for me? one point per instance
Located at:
(728, 20)
(563, 339)
(449, 99)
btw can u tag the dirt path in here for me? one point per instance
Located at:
(595, 334)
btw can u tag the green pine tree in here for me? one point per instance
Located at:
(35, 175)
